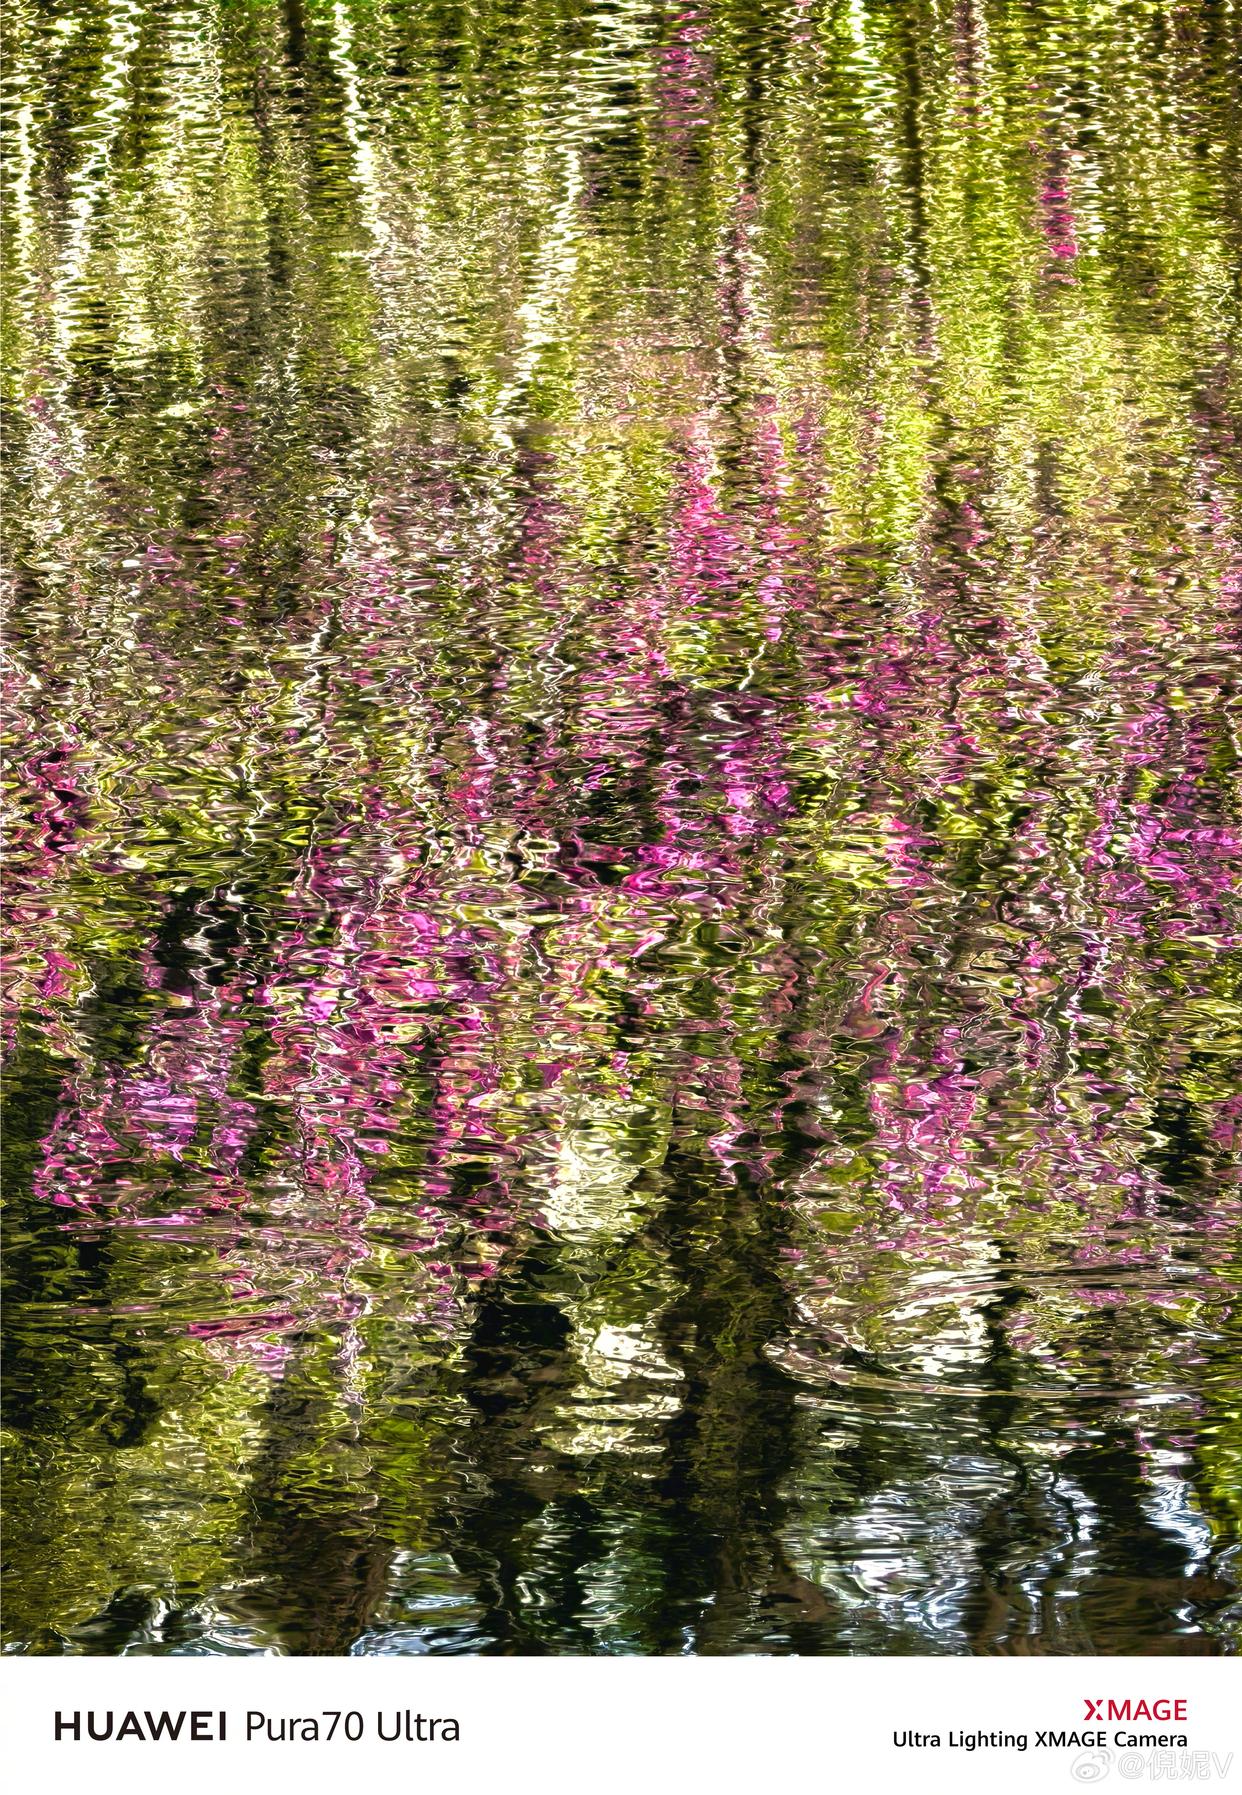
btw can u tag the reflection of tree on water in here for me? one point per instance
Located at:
(623, 831)
(519, 1373)
(691, 1520)
(315, 1561)
(698, 1533)
(733, 1445)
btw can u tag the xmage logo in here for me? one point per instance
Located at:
(1163, 1708)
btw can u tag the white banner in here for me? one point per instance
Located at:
(616, 1726)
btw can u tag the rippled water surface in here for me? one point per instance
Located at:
(624, 1022)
